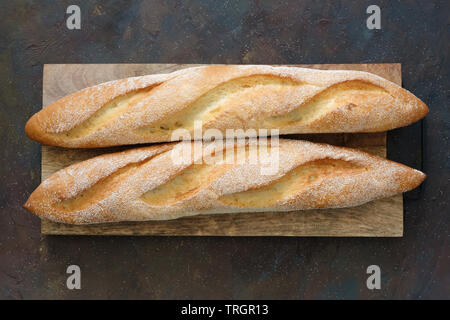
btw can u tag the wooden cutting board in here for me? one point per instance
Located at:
(381, 218)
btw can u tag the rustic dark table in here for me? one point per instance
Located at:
(414, 33)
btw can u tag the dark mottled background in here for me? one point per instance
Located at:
(414, 33)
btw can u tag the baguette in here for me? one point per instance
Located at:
(147, 184)
(294, 100)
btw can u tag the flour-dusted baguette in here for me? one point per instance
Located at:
(163, 182)
(293, 100)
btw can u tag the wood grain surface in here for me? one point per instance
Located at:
(380, 218)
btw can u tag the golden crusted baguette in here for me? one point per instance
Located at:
(152, 183)
(293, 100)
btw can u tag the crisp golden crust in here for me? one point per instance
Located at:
(152, 183)
(293, 100)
